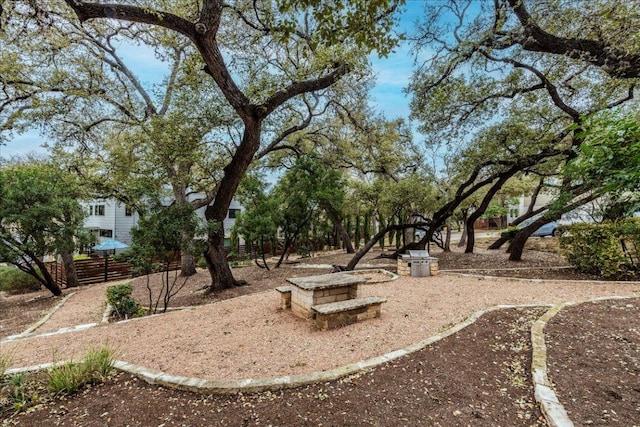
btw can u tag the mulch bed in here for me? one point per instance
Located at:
(19, 311)
(594, 361)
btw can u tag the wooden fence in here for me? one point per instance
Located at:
(96, 270)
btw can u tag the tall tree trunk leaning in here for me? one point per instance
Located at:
(221, 276)
(528, 214)
(520, 239)
(504, 238)
(41, 273)
(70, 270)
(486, 200)
(344, 235)
(371, 243)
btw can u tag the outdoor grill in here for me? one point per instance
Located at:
(418, 261)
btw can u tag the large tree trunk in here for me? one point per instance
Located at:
(44, 277)
(447, 239)
(70, 270)
(470, 230)
(346, 240)
(187, 258)
(379, 235)
(463, 237)
(187, 265)
(221, 276)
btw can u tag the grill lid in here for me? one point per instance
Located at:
(418, 254)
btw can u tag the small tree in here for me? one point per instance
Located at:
(39, 215)
(157, 240)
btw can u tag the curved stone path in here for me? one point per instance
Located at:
(545, 395)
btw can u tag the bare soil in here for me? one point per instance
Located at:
(479, 376)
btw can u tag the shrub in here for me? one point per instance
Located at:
(124, 306)
(14, 280)
(610, 250)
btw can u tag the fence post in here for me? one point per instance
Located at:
(106, 268)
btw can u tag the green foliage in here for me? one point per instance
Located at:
(611, 250)
(609, 156)
(5, 361)
(14, 280)
(71, 377)
(19, 392)
(65, 379)
(39, 214)
(338, 20)
(124, 306)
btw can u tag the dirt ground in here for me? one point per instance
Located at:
(479, 376)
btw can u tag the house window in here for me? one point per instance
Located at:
(233, 213)
(128, 211)
(106, 233)
(91, 210)
(99, 210)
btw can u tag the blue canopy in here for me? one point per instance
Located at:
(109, 245)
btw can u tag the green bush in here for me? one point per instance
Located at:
(124, 306)
(14, 280)
(610, 250)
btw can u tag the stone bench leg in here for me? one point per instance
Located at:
(285, 297)
(285, 300)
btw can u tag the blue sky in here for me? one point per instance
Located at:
(392, 76)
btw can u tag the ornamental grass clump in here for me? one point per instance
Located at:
(70, 377)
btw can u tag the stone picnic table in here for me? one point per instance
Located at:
(332, 299)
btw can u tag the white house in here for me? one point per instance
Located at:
(111, 219)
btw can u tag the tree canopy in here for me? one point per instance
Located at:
(39, 215)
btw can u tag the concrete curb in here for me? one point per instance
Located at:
(27, 332)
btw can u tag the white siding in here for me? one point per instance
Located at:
(114, 219)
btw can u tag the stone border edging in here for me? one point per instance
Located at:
(40, 322)
(552, 409)
(291, 381)
(250, 385)
(521, 279)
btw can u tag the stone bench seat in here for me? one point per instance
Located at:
(285, 297)
(336, 314)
